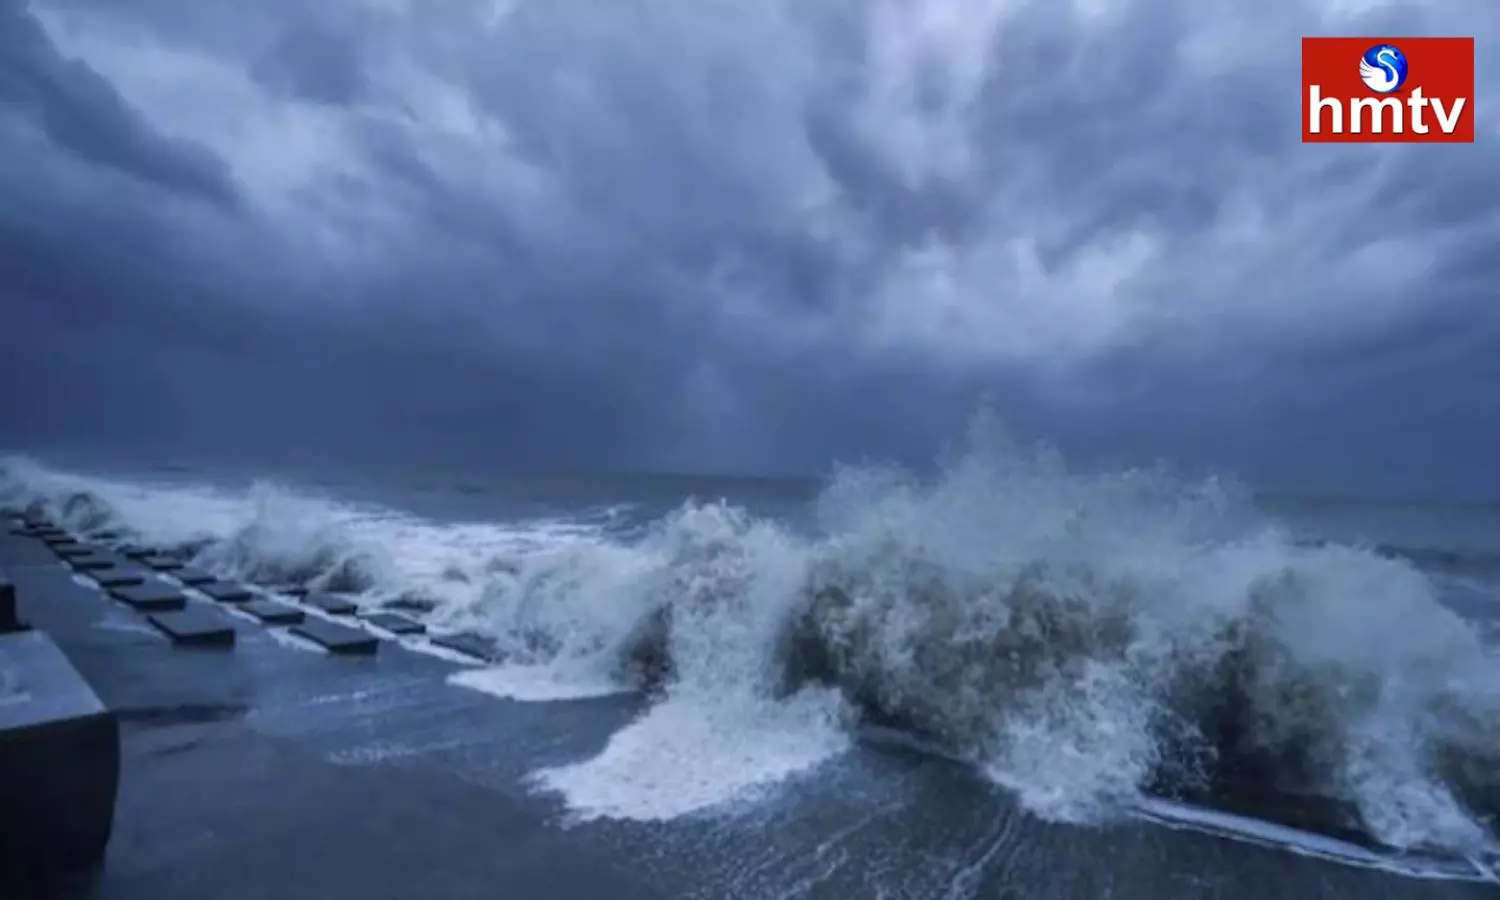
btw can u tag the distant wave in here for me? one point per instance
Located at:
(1455, 562)
(1086, 640)
(1429, 559)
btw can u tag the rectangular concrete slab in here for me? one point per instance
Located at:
(290, 590)
(162, 563)
(226, 592)
(94, 563)
(193, 577)
(153, 596)
(138, 551)
(59, 762)
(469, 644)
(395, 624)
(336, 638)
(195, 626)
(332, 604)
(119, 577)
(74, 550)
(273, 612)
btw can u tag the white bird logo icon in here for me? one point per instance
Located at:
(1383, 77)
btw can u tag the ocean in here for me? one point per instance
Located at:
(1000, 678)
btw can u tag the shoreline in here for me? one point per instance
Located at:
(265, 768)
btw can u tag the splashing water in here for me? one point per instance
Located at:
(1085, 639)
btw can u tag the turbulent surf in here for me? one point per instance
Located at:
(1085, 639)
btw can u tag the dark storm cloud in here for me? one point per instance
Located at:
(744, 235)
(313, 62)
(82, 114)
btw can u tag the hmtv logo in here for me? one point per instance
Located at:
(1414, 90)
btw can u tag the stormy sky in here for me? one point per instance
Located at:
(738, 235)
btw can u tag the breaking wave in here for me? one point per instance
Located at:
(1085, 639)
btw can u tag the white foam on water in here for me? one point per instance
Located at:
(286, 639)
(1005, 603)
(1172, 814)
(125, 626)
(269, 533)
(420, 644)
(538, 684)
(690, 755)
(386, 751)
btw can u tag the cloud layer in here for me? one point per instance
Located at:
(745, 235)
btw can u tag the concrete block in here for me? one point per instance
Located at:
(162, 563)
(10, 617)
(395, 624)
(75, 550)
(137, 551)
(59, 763)
(195, 626)
(193, 577)
(476, 645)
(91, 564)
(226, 592)
(336, 638)
(290, 590)
(153, 596)
(119, 577)
(332, 604)
(273, 612)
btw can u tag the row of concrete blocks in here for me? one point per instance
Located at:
(60, 746)
(141, 586)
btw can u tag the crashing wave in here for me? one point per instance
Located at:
(1086, 639)
(270, 536)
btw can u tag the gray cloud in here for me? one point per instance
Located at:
(312, 62)
(79, 113)
(742, 235)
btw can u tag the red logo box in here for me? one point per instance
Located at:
(1433, 105)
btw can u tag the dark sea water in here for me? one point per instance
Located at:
(1055, 669)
